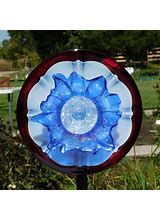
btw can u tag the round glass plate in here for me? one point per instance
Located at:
(79, 112)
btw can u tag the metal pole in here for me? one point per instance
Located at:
(82, 182)
(10, 109)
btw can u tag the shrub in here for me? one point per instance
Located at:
(143, 73)
(20, 170)
(129, 174)
(5, 65)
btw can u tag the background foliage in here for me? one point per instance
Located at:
(132, 44)
(20, 170)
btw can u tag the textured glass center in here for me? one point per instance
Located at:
(79, 115)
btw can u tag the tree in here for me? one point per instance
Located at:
(48, 43)
(132, 44)
(19, 46)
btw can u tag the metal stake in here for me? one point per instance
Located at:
(10, 109)
(82, 182)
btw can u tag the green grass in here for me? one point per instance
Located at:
(4, 103)
(147, 91)
(129, 174)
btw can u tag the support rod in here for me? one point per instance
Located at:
(82, 182)
(10, 109)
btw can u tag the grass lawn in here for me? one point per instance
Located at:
(4, 103)
(147, 91)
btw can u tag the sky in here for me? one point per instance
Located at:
(3, 35)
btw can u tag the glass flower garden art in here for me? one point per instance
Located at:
(79, 112)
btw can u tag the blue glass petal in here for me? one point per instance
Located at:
(86, 84)
(109, 102)
(77, 84)
(88, 146)
(51, 104)
(60, 77)
(44, 119)
(110, 119)
(96, 87)
(56, 133)
(104, 138)
(105, 93)
(68, 144)
(62, 89)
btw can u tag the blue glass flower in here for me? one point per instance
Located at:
(79, 115)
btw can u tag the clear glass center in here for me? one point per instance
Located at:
(79, 115)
